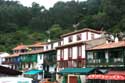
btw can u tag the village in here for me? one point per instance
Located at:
(81, 56)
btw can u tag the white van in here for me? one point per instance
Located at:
(15, 80)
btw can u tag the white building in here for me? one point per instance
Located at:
(71, 53)
(49, 53)
(2, 55)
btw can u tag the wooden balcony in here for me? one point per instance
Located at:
(27, 59)
(115, 62)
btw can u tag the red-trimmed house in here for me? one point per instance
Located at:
(71, 52)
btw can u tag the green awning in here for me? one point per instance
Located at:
(77, 70)
(33, 72)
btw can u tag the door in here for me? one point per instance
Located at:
(73, 79)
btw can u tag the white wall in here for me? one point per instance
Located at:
(83, 51)
(66, 54)
(83, 36)
(39, 61)
(65, 40)
(58, 55)
(74, 50)
(55, 44)
(2, 55)
(95, 35)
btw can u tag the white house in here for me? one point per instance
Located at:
(49, 53)
(71, 53)
(2, 55)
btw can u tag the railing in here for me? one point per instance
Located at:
(114, 61)
(32, 58)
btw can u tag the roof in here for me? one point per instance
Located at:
(8, 71)
(71, 44)
(109, 45)
(33, 72)
(82, 30)
(116, 72)
(22, 46)
(37, 44)
(18, 47)
(77, 70)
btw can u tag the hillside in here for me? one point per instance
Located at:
(20, 24)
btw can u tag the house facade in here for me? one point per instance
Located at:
(71, 52)
(110, 55)
(2, 55)
(26, 57)
(49, 62)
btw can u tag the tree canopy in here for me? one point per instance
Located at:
(20, 24)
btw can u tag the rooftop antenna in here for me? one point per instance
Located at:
(75, 26)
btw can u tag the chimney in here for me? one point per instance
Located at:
(116, 39)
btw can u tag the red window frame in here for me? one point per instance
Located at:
(79, 51)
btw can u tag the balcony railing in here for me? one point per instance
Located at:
(29, 59)
(114, 61)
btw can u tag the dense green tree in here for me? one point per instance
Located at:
(20, 24)
(55, 31)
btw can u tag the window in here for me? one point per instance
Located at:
(79, 51)
(92, 36)
(52, 46)
(59, 43)
(70, 39)
(79, 37)
(46, 47)
(62, 53)
(40, 56)
(70, 52)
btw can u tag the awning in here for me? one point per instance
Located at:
(95, 76)
(33, 72)
(116, 72)
(77, 70)
(106, 77)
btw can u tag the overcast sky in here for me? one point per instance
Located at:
(46, 3)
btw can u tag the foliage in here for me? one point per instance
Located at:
(20, 24)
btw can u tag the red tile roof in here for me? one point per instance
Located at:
(20, 47)
(18, 54)
(109, 45)
(82, 30)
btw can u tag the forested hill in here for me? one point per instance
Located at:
(20, 24)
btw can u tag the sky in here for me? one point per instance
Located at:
(46, 3)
